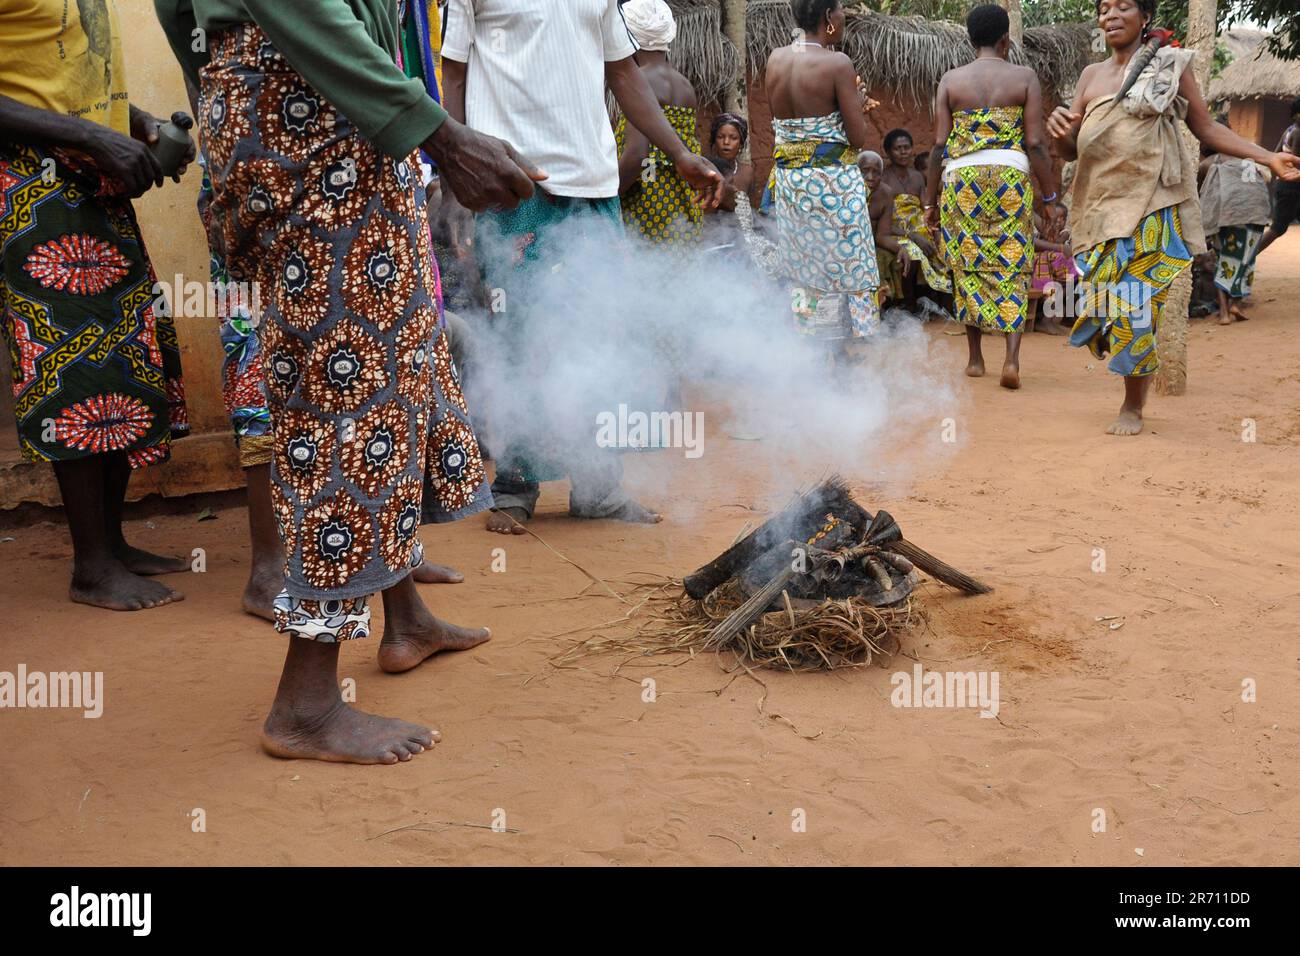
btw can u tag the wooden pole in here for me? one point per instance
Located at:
(1017, 18)
(733, 27)
(1172, 335)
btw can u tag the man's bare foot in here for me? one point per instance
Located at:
(1129, 422)
(138, 561)
(636, 514)
(112, 586)
(343, 735)
(507, 520)
(437, 574)
(976, 368)
(259, 594)
(1051, 327)
(1010, 376)
(1225, 318)
(425, 636)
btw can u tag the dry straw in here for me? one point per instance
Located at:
(826, 636)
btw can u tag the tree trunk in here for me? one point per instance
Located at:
(733, 26)
(1172, 335)
(1017, 20)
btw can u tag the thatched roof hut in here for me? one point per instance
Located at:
(908, 55)
(1257, 89)
(701, 51)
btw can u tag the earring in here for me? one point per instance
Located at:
(830, 29)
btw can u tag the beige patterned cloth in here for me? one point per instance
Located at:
(1132, 162)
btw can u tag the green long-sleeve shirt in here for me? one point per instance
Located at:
(345, 49)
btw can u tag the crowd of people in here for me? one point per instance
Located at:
(382, 166)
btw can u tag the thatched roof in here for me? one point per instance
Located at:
(909, 54)
(1256, 74)
(702, 51)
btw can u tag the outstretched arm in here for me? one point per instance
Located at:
(1218, 137)
(641, 107)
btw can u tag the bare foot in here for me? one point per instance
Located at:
(145, 562)
(437, 574)
(975, 369)
(636, 514)
(401, 650)
(1129, 422)
(1236, 311)
(1051, 327)
(507, 520)
(114, 587)
(343, 735)
(1010, 376)
(1225, 318)
(260, 592)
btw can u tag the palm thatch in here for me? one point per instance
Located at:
(1257, 75)
(908, 55)
(701, 51)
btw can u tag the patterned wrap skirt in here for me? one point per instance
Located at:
(360, 384)
(1124, 285)
(96, 368)
(986, 217)
(1235, 271)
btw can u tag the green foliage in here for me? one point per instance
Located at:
(1280, 16)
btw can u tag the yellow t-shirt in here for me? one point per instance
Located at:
(65, 56)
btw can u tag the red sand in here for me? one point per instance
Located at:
(1147, 722)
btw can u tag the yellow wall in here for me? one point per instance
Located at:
(206, 460)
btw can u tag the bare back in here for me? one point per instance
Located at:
(988, 82)
(807, 80)
(670, 87)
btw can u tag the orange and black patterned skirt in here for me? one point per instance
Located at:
(361, 388)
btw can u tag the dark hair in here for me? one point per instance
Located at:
(1295, 107)
(894, 135)
(987, 24)
(729, 119)
(808, 14)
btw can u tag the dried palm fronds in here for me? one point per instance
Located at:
(824, 636)
(701, 52)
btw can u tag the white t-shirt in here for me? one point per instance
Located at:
(536, 79)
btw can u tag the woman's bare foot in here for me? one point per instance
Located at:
(1129, 422)
(1236, 311)
(400, 650)
(437, 574)
(507, 520)
(138, 561)
(112, 586)
(1010, 376)
(975, 369)
(1051, 326)
(636, 514)
(1225, 318)
(264, 583)
(343, 735)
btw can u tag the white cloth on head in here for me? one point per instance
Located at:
(536, 78)
(651, 23)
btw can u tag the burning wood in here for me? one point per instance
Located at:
(823, 546)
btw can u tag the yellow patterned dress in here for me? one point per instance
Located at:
(662, 206)
(986, 217)
(909, 220)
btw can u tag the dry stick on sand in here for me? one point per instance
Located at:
(594, 579)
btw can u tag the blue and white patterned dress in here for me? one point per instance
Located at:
(825, 241)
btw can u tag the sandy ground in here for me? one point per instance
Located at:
(1145, 724)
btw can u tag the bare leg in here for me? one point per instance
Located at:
(412, 634)
(1011, 364)
(975, 366)
(1225, 312)
(266, 576)
(1129, 421)
(1269, 236)
(309, 719)
(117, 473)
(99, 577)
